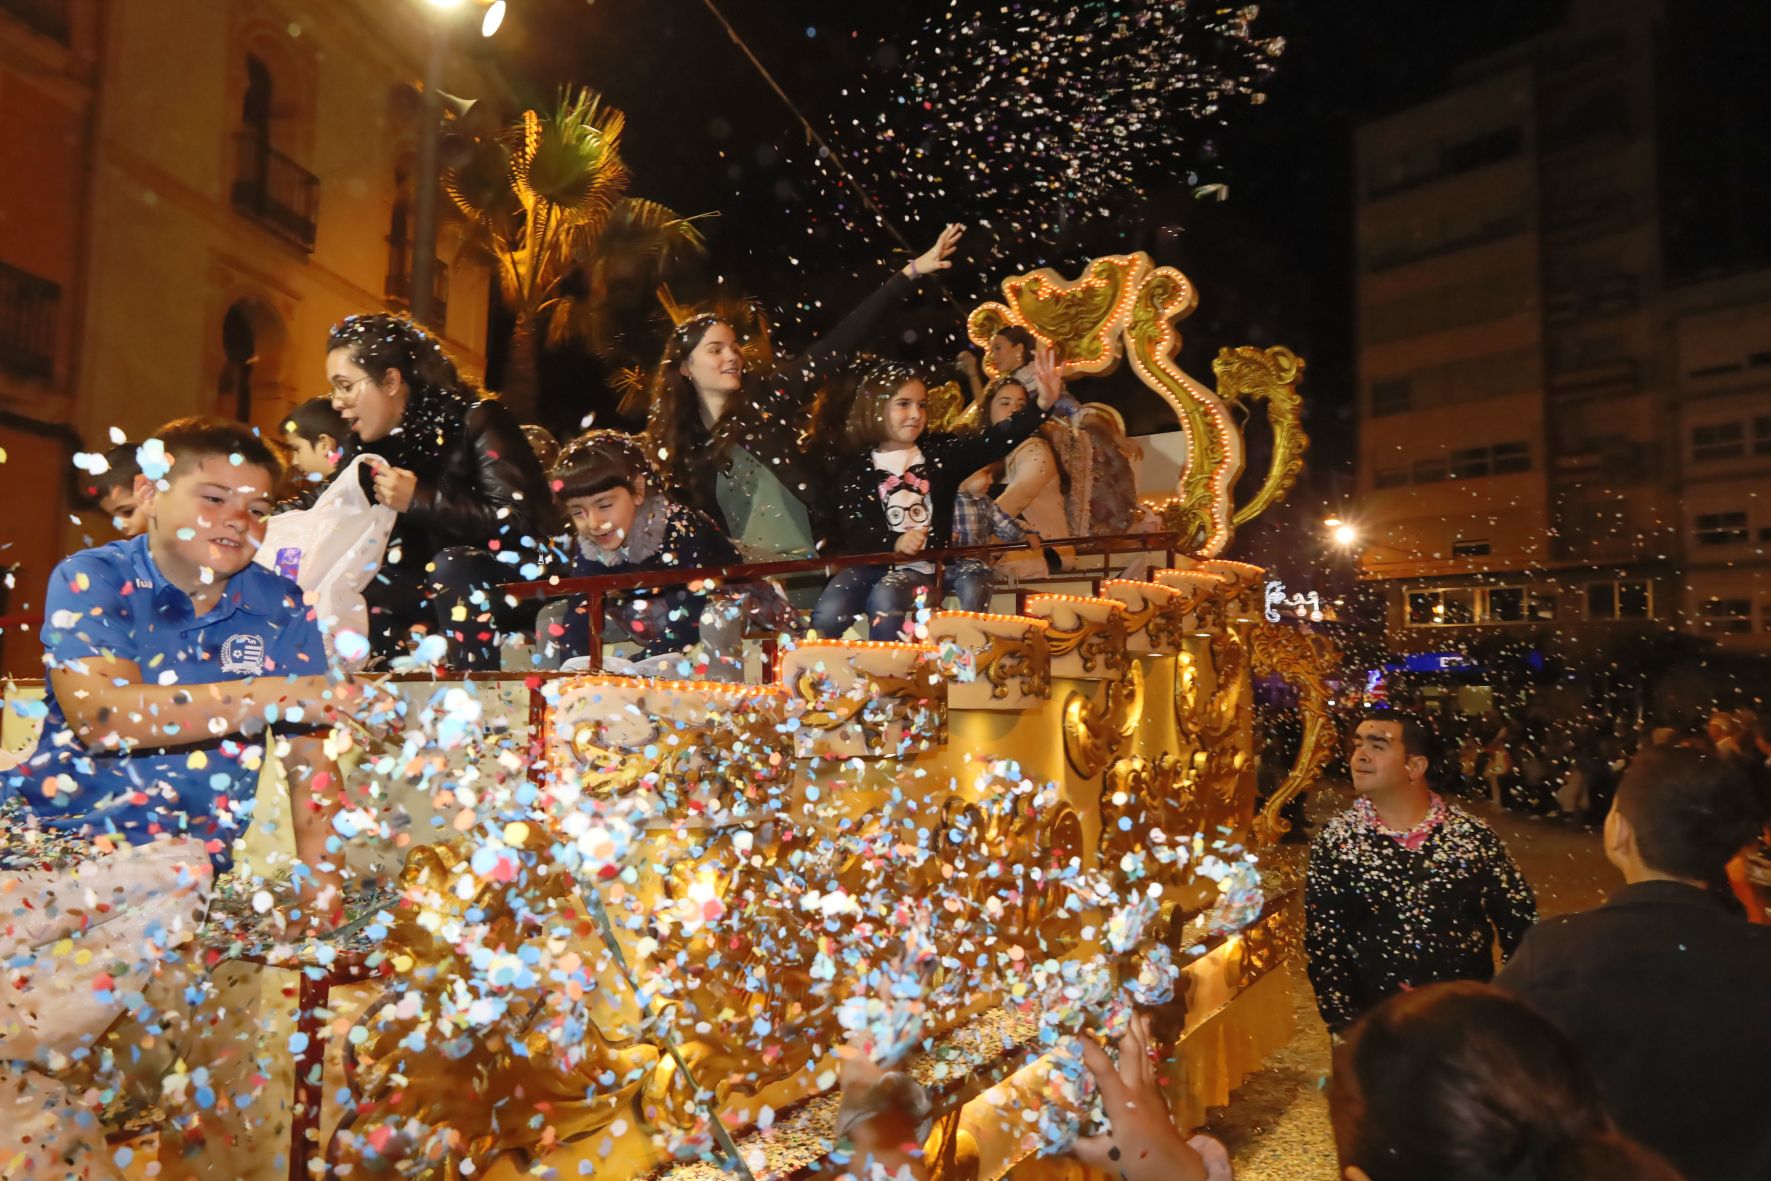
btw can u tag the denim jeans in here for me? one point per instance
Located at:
(971, 583)
(885, 594)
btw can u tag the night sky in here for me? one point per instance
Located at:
(1273, 261)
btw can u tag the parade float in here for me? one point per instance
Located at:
(619, 925)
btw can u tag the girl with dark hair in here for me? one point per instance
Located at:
(898, 489)
(727, 442)
(1463, 1082)
(1012, 352)
(471, 498)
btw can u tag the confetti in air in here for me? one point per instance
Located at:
(1024, 118)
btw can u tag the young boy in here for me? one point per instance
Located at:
(314, 433)
(167, 655)
(978, 521)
(604, 487)
(112, 491)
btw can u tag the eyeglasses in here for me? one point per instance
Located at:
(345, 395)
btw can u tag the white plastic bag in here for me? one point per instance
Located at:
(332, 550)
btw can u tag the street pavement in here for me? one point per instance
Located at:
(1276, 1124)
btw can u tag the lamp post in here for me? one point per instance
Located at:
(424, 211)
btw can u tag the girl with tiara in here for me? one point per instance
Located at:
(472, 501)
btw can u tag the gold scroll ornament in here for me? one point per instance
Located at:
(1093, 734)
(1305, 661)
(1123, 306)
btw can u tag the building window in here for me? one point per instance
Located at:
(1511, 457)
(1718, 440)
(1395, 477)
(1506, 604)
(1429, 471)
(1463, 606)
(1540, 606)
(1470, 547)
(1727, 615)
(1620, 600)
(1389, 397)
(1762, 435)
(1469, 463)
(1721, 528)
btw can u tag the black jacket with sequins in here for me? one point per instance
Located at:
(1379, 917)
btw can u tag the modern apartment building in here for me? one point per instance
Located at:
(190, 196)
(1557, 430)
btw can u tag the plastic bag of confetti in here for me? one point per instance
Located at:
(331, 551)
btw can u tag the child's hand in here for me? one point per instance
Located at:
(936, 257)
(968, 363)
(1031, 539)
(912, 541)
(1046, 377)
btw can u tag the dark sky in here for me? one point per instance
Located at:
(1273, 261)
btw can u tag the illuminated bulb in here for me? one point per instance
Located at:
(494, 17)
(1345, 534)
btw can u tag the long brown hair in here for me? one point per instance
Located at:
(675, 405)
(1464, 1082)
(865, 424)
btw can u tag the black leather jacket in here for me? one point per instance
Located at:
(479, 485)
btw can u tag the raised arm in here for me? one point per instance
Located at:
(1035, 468)
(109, 708)
(798, 377)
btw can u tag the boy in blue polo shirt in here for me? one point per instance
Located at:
(168, 654)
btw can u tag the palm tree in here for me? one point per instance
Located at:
(549, 204)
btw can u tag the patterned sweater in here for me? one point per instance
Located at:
(1386, 911)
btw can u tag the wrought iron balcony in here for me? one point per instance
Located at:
(29, 307)
(399, 280)
(275, 191)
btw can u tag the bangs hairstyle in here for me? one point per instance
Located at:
(192, 440)
(598, 461)
(866, 426)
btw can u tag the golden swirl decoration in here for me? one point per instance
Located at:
(1095, 641)
(1305, 661)
(1025, 658)
(1093, 734)
(1269, 375)
(947, 405)
(1125, 306)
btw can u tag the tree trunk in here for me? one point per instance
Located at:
(518, 388)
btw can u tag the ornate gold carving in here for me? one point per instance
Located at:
(1306, 661)
(1096, 642)
(1093, 734)
(1025, 658)
(1249, 374)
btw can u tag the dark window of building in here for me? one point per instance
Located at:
(1718, 440)
(1469, 463)
(1762, 435)
(1633, 601)
(1620, 600)
(1470, 547)
(1721, 528)
(1542, 606)
(1727, 615)
(1394, 477)
(1429, 471)
(1511, 457)
(1506, 604)
(1389, 397)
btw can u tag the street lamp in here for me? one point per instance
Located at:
(1343, 533)
(424, 211)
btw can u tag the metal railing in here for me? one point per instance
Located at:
(399, 279)
(595, 586)
(274, 190)
(29, 308)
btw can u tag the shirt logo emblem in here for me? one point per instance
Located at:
(243, 654)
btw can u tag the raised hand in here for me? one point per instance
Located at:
(1047, 377)
(1141, 1143)
(937, 257)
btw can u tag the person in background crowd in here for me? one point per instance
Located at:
(471, 498)
(113, 492)
(1664, 987)
(1462, 1082)
(315, 433)
(1402, 888)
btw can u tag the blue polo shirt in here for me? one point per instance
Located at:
(113, 601)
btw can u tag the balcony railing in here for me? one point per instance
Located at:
(29, 307)
(399, 280)
(48, 17)
(275, 191)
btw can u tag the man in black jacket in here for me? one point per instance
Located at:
(1404, 889)
(1667, 988)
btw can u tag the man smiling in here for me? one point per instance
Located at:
(1404, 889)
